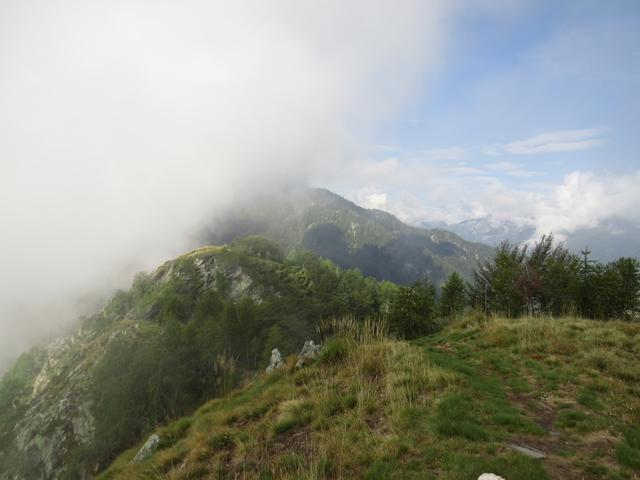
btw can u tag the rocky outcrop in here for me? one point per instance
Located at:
(489, 476)
(148, 449)
(276, 361)
(58, 416)
(309, 351)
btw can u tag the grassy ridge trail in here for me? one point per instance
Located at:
(449, 406)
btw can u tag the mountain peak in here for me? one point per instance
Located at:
(374, 241)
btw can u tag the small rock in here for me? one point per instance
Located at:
(309, 352)
(276, 360)
(529, 451)
(489, 476)
(147, 449)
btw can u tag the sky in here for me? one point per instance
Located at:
(125, 125)
(532, 116)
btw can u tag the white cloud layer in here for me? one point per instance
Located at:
(417, 193)
(584, 199)
(510, 168)
(557, 141)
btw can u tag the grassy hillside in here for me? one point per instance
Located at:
(375, 242)
(449, 406)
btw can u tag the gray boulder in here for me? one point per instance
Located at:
(148, 449)
(309, 351)
(276, 361)
(489, 476)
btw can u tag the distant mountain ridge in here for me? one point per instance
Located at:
(611, 239)
(488, 230)
(374, 241)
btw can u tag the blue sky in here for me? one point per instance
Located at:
(524, 96)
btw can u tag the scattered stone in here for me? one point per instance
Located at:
(147, 449)
(309, 351)
(276, 360)
(529, 451)
(489, 476)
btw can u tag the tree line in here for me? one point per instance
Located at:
(547, 279)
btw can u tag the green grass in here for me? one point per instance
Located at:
(455, 417)
(628, 452)
(442, 407)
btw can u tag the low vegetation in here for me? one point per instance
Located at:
(449, 406)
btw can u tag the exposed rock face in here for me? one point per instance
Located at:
(56, 419)
(148, 449)
(309, 351)
(276, 361)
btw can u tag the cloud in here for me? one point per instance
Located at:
(492, 151)
(501, 166)
(584, 200)
(126, 124)
(510, 168)
(375, 200)
(450, 153)
(418, 193)
(384, 148)
(557, 141)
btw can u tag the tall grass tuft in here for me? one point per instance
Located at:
(361, 331)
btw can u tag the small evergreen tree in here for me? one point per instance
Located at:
(413, 310)
(454, 297)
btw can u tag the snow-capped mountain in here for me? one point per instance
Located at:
(610, 239)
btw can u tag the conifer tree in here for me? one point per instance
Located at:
(454, 297)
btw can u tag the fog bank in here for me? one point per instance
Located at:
(126, 124)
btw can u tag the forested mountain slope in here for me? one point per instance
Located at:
(375, 242)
